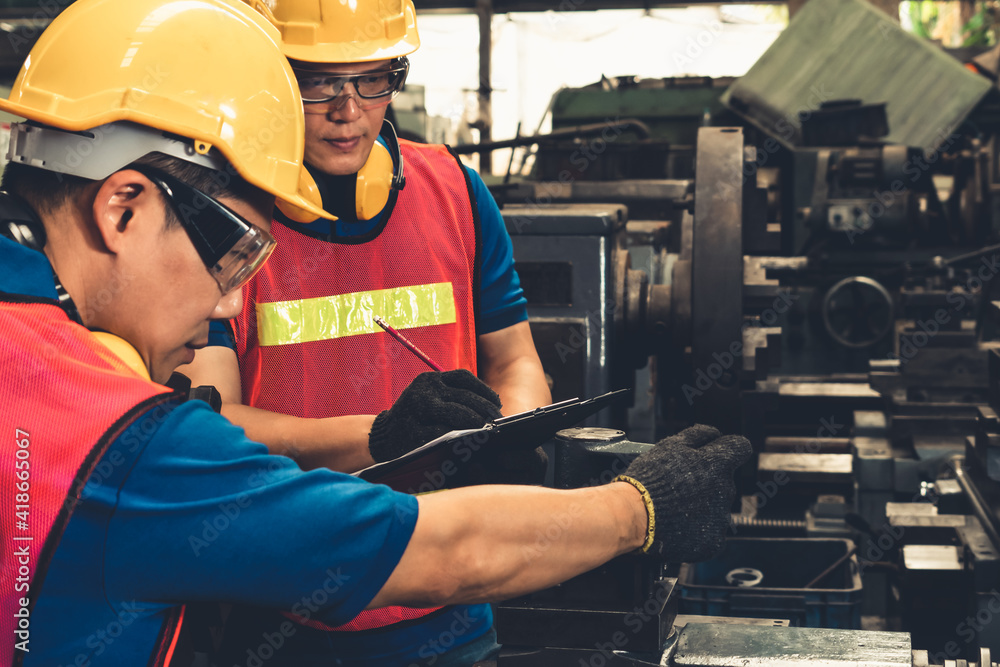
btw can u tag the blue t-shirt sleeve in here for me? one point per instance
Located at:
(502, 302)
(207, 514)
(220, 335)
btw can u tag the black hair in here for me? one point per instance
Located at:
(47, 190)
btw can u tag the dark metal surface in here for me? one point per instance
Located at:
(980, 507)
(717, 274)
(564, 219)
(618, 605)
(858, 312)
(702, 645)
(624, 124)
(592, 456)
(576, 339)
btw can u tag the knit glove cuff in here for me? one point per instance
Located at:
(650, 510)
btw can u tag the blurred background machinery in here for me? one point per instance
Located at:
(806, 255)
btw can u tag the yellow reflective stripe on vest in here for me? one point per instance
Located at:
(329, 317)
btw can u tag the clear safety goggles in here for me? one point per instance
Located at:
(232, 248)
(321, 91)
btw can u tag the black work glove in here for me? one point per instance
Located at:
(687, 484)
(433, 404)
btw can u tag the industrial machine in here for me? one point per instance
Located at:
(805, 255)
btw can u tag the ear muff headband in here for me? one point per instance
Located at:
(380, 177)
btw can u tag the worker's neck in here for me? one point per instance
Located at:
(78, 256)
(338, 192)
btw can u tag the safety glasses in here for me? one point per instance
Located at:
(320, 90)
(232, 248)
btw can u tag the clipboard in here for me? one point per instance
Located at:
(443, 462)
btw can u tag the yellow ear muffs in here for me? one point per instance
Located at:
(121, 349)
(374, 183)
(309, 189)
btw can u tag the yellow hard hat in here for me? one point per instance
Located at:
(208, 71)
(337, 31)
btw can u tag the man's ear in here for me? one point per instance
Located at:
(125, 199)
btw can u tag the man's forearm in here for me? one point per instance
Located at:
(491, 543)
(521, 386)
(339, 443)
(509, 364)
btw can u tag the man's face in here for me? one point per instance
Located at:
(339, 141)
(168, 297)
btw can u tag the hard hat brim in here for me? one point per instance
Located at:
(307, 198)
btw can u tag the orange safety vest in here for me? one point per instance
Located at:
(65, 398)
(305, 339)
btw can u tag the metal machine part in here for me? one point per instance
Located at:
(825, 298)
(705, 645)
(744, 577)
(858, 312)
(714, 642)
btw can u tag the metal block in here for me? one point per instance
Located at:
(515, 656)
(590, 624)
(906, 475)
(910, 509)
(982, 556)
(873, 463)
(935, 557)
(871, 506)
(828, 390)
(807, 467)
(950, 499)
(870, 423)
(949, 521)
(684, 619)
(701, 645)
(807, 445)
(564, 219)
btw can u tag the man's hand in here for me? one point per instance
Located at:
(432, 405)
(687, 484)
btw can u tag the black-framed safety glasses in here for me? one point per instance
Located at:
(320, 90)
(232, 248)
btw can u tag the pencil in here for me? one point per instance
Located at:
(407, 344)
